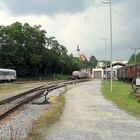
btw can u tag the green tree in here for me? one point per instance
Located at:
(138, 58)
(93, 61)
(131, 59)
(30, 52)
(23, 48)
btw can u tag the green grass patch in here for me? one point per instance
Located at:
(121, 96)
(44, 77)
(61, 77)
(8, 87)
(49, 117)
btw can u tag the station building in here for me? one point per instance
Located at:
(102, 71)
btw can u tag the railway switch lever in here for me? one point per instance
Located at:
(45, 94)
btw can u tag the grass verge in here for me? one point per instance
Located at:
(61, 77)
(121, 96)
(43, 77)
(49, 117)
(8, 87)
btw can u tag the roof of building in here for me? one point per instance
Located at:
(115, 64)
(83, 57)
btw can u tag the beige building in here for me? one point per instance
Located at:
(98, 73)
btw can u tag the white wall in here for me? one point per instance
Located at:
(96, 70)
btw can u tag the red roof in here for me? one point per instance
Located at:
(82, 57)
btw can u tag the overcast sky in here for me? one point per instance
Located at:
(81, 22)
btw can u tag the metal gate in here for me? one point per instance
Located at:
(97, 74)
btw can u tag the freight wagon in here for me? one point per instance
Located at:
(79, 75)
(129, 72)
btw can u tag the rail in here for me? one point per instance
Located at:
(37, 92)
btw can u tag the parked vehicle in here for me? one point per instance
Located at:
(129, 72)
(79, 75)
(7, 75)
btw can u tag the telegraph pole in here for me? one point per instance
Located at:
(135, 53)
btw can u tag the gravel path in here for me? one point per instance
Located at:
(88, 116)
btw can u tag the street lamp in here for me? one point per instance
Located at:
(109, 2)
(105, 57)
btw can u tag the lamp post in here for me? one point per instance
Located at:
(105, 57)
(109, 2)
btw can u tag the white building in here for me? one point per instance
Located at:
(115, 65)
(100, 71)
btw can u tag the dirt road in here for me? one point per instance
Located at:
(88, 116)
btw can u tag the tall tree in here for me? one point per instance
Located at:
(131, 59)
(138, 58)
(93, 61)
(23, 48)
(30, 52)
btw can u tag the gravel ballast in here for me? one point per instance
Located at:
(19, 125)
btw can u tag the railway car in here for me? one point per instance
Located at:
(121, 73)
(82, 75)
(79, 75)
(129, 72)
(75, 74)
(7, 75)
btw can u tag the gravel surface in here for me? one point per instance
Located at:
(20, 125)
(88, 116)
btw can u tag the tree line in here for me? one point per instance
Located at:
(134, 58)
(31, 52)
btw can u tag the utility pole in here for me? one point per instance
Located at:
(135, 54)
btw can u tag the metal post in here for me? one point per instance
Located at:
(105, 58)
(135, 59)
(109, 2)
(135, 54)
(111, 44)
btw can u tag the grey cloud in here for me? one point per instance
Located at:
(133, 8)
(117, 1)
(49, 7)
(130, 18)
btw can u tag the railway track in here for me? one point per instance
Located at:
(11, 104)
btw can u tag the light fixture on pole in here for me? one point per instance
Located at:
(109, 2)
(105, 58)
